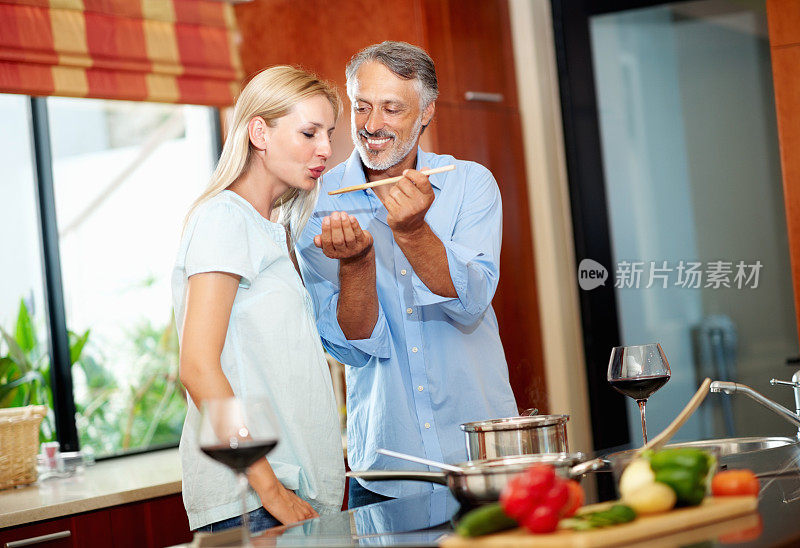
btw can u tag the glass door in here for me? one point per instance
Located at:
(693, 230)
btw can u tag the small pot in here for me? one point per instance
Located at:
(516, 436)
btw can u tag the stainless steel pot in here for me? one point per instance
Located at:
(516, 436)
(482, 481)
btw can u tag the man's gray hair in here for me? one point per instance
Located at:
(405, 60)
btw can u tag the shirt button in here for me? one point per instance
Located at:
(427, 425)
(403, 272)
(409, 310)
(420, 388)
(415, 350)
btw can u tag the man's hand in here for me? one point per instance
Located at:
(342, 237)
(408, 202)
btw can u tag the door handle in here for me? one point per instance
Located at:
(38, 540)
(483, 96)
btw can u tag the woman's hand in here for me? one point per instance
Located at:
(276, 499)
(342, 237)
(287, 507)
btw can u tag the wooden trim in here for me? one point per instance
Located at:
(783, 17)
(540, 110)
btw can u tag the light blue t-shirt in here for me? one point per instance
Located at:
(272, 349)
(432, 362)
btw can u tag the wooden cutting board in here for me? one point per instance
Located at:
(645, 527)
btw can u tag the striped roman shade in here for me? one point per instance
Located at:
(174, 51)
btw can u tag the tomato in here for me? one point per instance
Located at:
(734, 482)
(542, 520)
(518, 498)
(540, 477)
(557, 496)
(537, 498)
(575, 500)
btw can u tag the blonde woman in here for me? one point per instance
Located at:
(245, 319)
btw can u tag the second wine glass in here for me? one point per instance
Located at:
(638, 371)
(237, 432)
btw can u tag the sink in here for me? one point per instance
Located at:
(763, 455)
(737, 446)
(728, 451)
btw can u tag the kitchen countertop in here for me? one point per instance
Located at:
(424, 520)
(107, 483)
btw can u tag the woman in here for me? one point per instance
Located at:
(245, 319)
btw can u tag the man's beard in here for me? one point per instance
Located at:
(394, 155)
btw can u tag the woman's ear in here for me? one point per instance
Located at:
(257, 130)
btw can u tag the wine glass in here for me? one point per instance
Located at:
(638, 371)
(237, 432)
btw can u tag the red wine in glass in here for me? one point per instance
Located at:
(240, 455)
(639, 388)
(638, 371)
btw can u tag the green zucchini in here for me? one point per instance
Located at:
(618, 513)
(484, 520)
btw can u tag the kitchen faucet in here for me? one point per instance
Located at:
(732, 388)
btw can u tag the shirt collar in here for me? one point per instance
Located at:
(426, 159)
(354, 171)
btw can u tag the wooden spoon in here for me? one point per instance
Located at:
(682, 417)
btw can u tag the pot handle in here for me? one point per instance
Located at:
(408, 475)
(588, 466)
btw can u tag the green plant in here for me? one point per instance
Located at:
(157, 404)
(149, 410)
(25, 368)
(111, 416)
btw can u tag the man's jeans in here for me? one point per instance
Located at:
(359, 496)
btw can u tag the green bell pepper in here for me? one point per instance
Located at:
(681, 457)
(685, 470)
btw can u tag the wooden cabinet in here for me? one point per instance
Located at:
(92, 529)
(470, 43)
(152, 523)
(168, 522)
(131, 525)
(477, 119)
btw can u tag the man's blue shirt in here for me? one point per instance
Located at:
(431, 362)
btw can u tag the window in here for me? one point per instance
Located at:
(123, 176)
(24, 355)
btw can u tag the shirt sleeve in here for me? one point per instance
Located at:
(220, 243)
(473, 251)
(321, 277)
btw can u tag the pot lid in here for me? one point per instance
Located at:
(514, 423)
(520, 462)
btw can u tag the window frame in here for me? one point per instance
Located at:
(58, 349)
(589, 207)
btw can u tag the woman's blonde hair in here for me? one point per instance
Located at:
(270, 94)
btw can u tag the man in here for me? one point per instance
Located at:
(405, 301)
